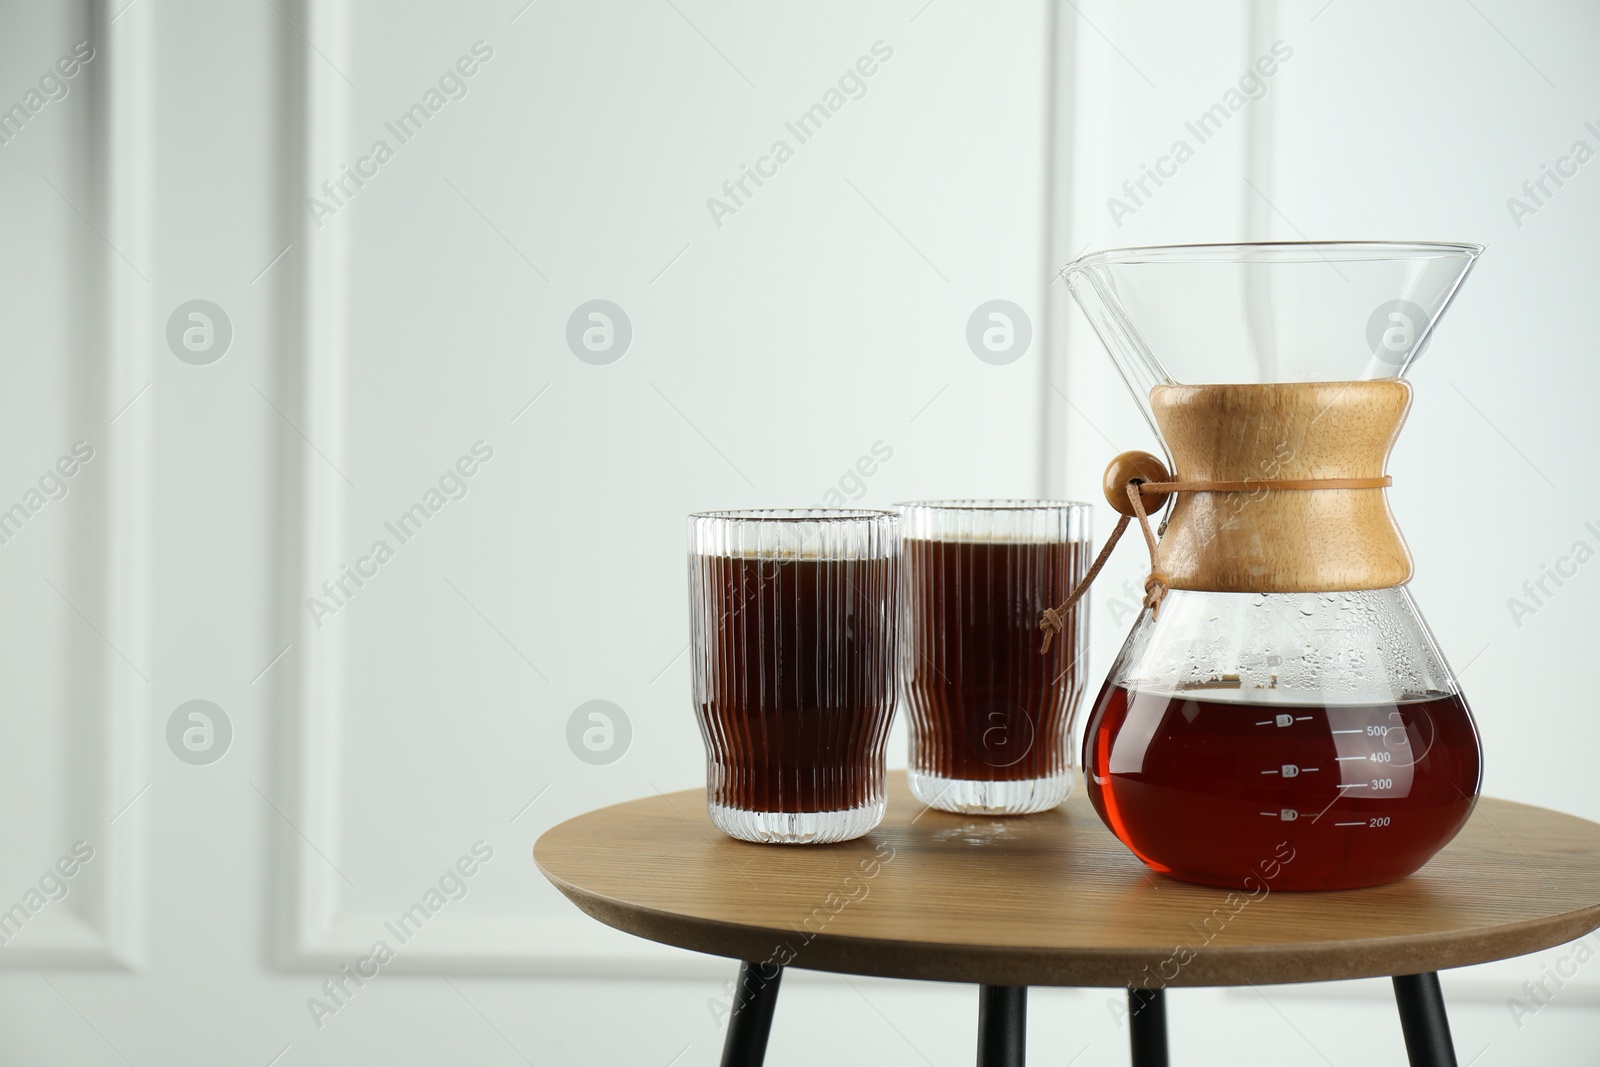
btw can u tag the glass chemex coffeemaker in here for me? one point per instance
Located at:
(1280, 704)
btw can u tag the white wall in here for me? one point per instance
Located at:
(769, 353)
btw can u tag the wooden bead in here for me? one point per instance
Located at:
(1129, 467)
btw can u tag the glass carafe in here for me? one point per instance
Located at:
(1282, 717)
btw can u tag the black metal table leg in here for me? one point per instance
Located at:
(1147, 1027)
(1423, 1021)
(1002, 1025)
(751, 1021)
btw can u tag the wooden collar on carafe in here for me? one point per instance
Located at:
(1139, 475)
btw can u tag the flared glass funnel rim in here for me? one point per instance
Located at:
(1279, 252)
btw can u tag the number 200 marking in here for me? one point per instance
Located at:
(1381, 820)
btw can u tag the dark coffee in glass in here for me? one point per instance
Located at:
(793, 618)
(990, 716)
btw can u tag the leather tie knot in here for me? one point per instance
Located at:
(1156, 587)
(1051, 623)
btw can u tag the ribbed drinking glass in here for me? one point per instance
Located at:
(991, 717)
(793, 623)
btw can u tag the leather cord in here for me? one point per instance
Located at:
(1053, 621)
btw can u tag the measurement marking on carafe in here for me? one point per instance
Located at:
(1341, 759)
(1302, 718)
(1347, 731)
(1349, 824)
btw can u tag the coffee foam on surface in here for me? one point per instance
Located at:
(994, 538)
(797, 556)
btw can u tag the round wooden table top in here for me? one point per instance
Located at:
(1054, 899)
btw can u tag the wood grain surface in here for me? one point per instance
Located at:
(1283, 541)
(1054, 899)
